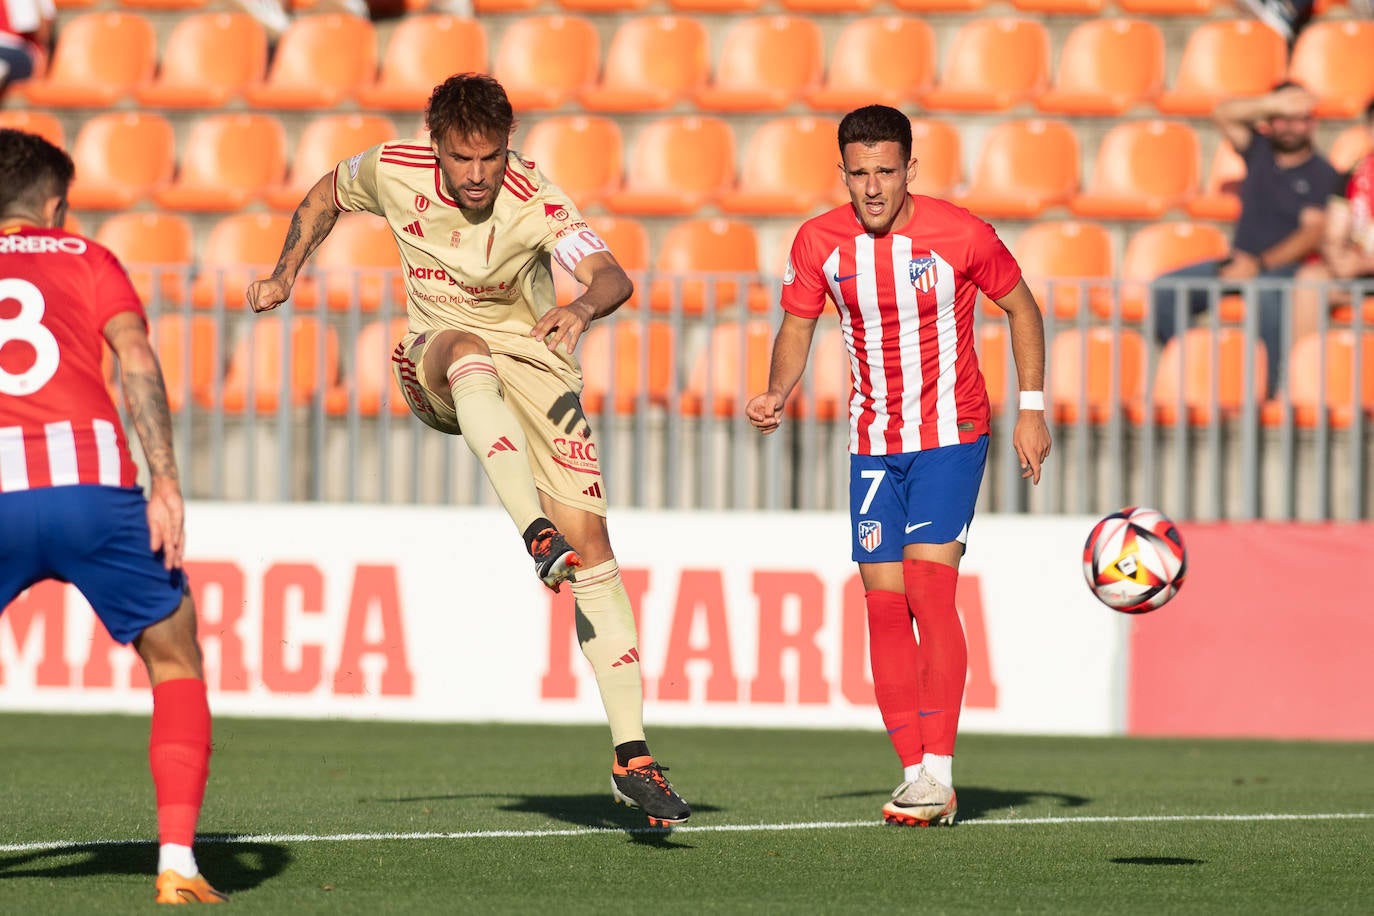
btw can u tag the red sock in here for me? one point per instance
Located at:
(895, 657)
(179, 756)
(944, 653)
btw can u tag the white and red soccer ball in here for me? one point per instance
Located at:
(1134, 560)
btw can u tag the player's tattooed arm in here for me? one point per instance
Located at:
(310, 225)
(145, 393)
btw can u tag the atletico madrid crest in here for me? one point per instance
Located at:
(870, 534)
(922, 273)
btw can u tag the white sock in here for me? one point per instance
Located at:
(178, 858)
(911, 773)
(941, 767)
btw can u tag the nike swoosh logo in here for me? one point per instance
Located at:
(933, 712)
(911, 528)
(838, 279)
(893, 731)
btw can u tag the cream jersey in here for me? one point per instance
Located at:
(488, 272)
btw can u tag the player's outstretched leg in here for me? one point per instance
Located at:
(640, 783)
(921, 803)
(555, 562)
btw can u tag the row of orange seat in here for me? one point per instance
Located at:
(653, 63)
(676, 165)
(1096, 375)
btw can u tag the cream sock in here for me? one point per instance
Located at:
(495, 436)
(606, 631)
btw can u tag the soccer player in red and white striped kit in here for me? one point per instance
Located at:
(904, 272)
(70, 507)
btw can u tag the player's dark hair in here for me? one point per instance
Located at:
(32, 171)
(874, 124)
(473, 104)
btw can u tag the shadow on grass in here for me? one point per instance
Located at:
(977, 801)
(1156, 860)
(229, 866)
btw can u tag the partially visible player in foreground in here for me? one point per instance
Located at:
(904, 272)
(70, 508)
(488, 356)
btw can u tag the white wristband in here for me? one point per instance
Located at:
(1032, 400)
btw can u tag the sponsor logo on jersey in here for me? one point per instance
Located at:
(414, 229)
(454, 238)
(576, 456)
(41, 244)
(354, 164)
(594, 491)
(421, 203)
(788, 274)
(556, 211)
(629, 658)
(922, 273)
(870, 534)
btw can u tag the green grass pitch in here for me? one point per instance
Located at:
(356, 817)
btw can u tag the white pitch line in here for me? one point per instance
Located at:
(692, 828)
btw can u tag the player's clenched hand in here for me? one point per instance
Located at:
(765, 411)
(166, 521)
(1031, 439)
(563, 326)
(264, 295)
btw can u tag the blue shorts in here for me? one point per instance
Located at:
(96, 538)
(924, 497)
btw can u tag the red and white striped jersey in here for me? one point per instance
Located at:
(58, 426)
(906, 302)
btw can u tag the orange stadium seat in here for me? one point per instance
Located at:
(1023, 169)
(1332, 59)
(887, 60)
(545, 61)
(1224, 59)
(157, 249)
(1157, 249)
(189, 352)
(1142, 170)
(1082, 364)
(580, 154)
(1167, 7)
(724, 7)
(240, 248)
(854, 7)
(826, 383)
(1106, 67)
(43, 123)
(321, 60)
(939, 6)
(182, 6)
(726, 249)
(255, 380)
(1198, 361)
(323, 144)
(729, 369)
(766, 63)
(652, 64)
(356, 265)
(208, 59)
(100, 58)
(790, 166)
(627, 360)
(121, 158)
(505, 6)
(604, 6)
(1349, 146)
(1061, 7)
(1069, 251)
(1321, 374)
(993, 64)
(228, 161)
(939, 160)
(993, 351)
(677, 165)
(370, 379)
(424, 50)
(1220, 197)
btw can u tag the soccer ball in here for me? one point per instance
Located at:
(1134, 560)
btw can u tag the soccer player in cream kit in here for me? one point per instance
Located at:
(904, 272)
(489, 356)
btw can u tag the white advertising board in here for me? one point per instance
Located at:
(434, 614)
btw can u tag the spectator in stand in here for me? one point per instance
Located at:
(275, 15)
(1348, 250)
(1290, 17)
(1282, 201)
(25, 35)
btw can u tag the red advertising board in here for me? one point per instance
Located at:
(1271, 636)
